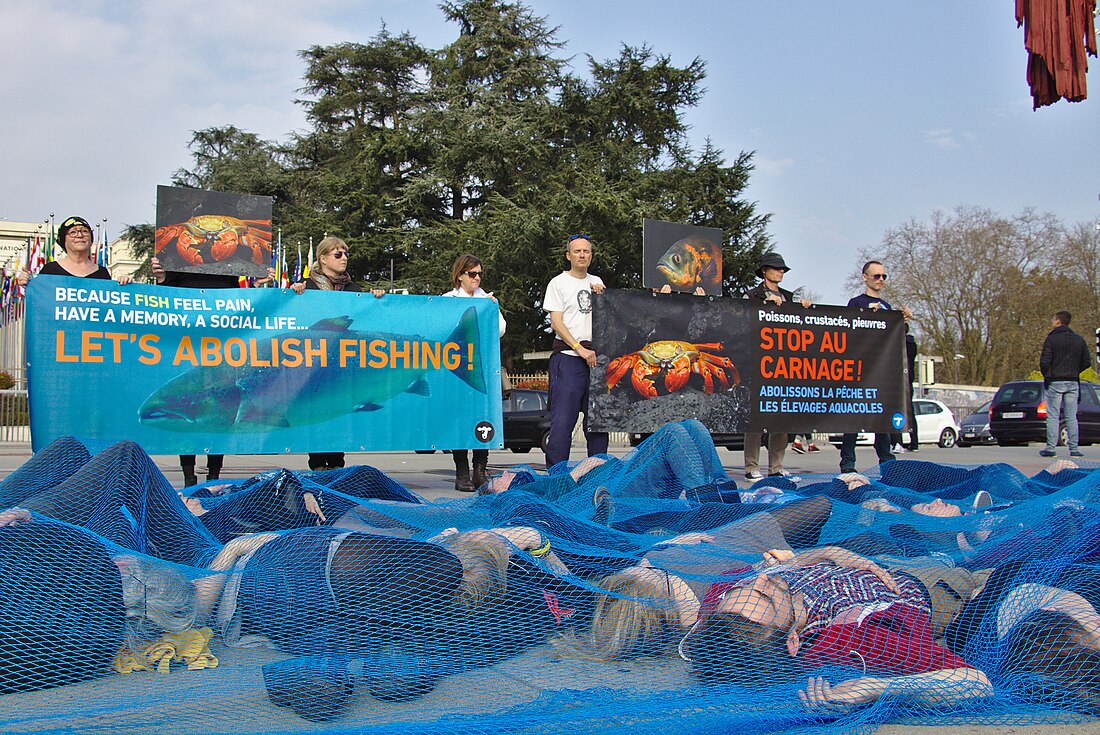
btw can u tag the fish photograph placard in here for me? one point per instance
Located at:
(260, 371)
(684, 257)
(201, 231)
(737, 365)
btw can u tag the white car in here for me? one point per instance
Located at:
(935, 425)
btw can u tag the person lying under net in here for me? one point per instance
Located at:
(646, 602)
(677, 458)
(472, 598)
(122, 495)
(1034, 626)
(911, 482)
(796, 613)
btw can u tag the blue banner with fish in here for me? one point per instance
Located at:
(260, 371)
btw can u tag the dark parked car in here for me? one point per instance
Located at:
(526, 420)
(1019, 414)
(974, 429)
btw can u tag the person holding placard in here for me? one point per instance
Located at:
(568, 299)
(466, 277)
(874, 279)
(771, 271)
(75, 237)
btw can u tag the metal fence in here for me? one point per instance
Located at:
(14, 423)
(14, 415)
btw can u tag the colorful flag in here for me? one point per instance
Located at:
(305, 271)
(103, 254)
(51, 241)
(284, 280)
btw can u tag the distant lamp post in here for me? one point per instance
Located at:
(955, 365)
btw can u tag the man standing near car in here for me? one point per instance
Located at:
(874, 280)
(1064, 357)
(568, 299)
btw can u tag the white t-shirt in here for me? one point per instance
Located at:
(573, 298)
(479, 294)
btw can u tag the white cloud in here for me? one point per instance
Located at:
(772, 166)
(941, 138)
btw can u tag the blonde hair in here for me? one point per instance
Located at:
(484, 556)
(326, 246)
(634, 616)
(156, 595)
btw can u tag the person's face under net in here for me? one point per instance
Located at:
(937, 508)
(761, 601)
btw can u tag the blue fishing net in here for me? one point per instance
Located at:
(642, 594)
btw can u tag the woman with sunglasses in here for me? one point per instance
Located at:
(466, 275)
(330, 271)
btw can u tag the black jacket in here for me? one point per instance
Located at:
(760, 292)
(1065, 355)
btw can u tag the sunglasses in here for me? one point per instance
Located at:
(339, 254)
(475, 274)
(579, 236)
(877, 276)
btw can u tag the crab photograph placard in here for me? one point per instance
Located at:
(738, 365)
(668, 357)
(216, 232)
(685, 257)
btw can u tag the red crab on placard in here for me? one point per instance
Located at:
(678, 360)
(221, 234)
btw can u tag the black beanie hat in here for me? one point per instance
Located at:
(69, 224)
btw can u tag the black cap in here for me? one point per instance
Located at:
(69, 224)
(771, 260)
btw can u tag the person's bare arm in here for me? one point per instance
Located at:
(946, 687)
(1033, 596)
(557, 323)
(208, 589)
(844, 558)
(533, 542)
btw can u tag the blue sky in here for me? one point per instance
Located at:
(862, 114)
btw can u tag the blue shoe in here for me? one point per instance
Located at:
(1077, 454)
(1047, 453)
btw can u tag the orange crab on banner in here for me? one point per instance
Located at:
(738, 365)
(213, 232)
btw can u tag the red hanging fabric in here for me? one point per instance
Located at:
(1057, 35)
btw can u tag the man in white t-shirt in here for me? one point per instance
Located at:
(568, 299)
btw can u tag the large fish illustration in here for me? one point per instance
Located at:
(690, 262)
(248, 399)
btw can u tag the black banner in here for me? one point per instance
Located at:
(739, 365)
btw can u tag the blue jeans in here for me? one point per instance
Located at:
(848, 451)
(568, 397)
(1062, 400)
